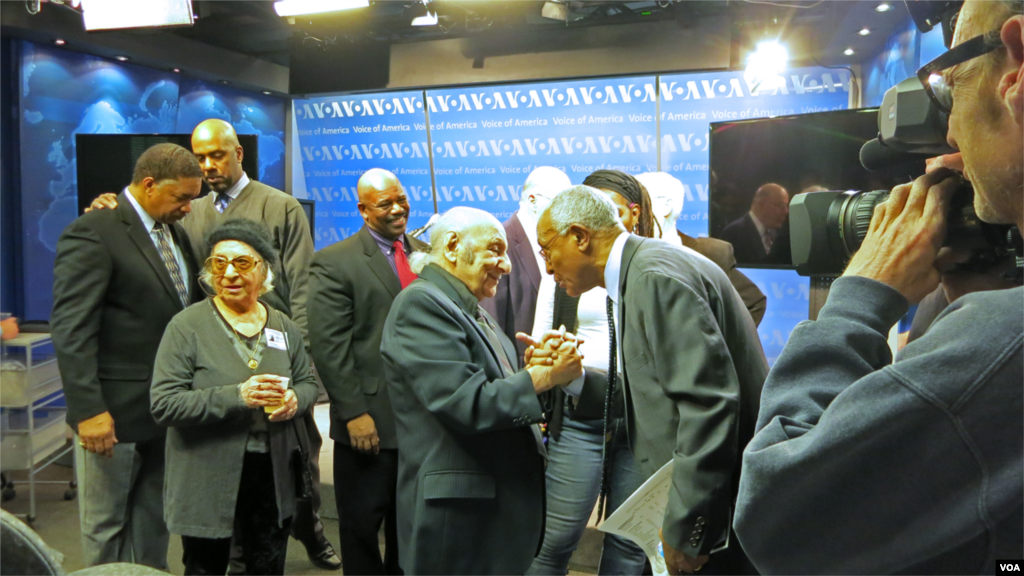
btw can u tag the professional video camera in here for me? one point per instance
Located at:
(828, 227)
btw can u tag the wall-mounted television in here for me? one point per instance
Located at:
(105, 162)
(799, 153)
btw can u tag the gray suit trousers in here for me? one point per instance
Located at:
(121, 504)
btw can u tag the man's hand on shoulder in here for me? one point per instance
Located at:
(96, 434)
(105, 200)
(906, 234)
(362, 434)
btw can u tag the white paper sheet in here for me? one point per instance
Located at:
(639, 518)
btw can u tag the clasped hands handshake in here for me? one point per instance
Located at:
(554, 360)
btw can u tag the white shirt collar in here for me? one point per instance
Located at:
(235, 190)
(613, 266)
(147, 220)
(760, 227)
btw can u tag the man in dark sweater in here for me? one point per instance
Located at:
(863, 465)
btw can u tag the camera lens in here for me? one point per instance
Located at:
(850, 216)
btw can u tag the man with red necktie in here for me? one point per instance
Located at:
(351, 287)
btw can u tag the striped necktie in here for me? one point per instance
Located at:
(222, 201)
(167, 254)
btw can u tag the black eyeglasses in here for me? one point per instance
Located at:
(935, 84)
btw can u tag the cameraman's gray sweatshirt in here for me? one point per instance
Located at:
(865, 466)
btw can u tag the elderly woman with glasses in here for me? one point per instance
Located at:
(230, 375)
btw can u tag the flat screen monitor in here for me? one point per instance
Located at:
(798, 154)
(105, 162)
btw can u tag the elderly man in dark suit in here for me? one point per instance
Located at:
(471, 466)
(753, 236)
(687, 357)
(119, 277)
(351, 287)
(515, 303)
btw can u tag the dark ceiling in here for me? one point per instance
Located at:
(253, 28)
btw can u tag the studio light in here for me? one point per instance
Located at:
(555, 11)
(429, 20)
(122, 58)
(114, 14)
(424, 15)
(59, 42)
(765, 66)
(305, 7)
(883, 7)
(864, 31)
(849, 51)
(176, 70)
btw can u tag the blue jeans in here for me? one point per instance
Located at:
(573, 485)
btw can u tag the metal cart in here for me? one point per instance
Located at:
(32, 415)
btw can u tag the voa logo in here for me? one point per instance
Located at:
(314, 110)
(485, 193)
(391, 150)
(332, 234)
(546, 146)
(541, 98)
(738, 87)
(349, 194)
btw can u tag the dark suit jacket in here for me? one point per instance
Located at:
(515, 302)
(721, 253)
(112, 299)
(470, 479)
(746, 241)
(693, 369)
(351, 288)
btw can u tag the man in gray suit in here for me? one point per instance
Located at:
(471, 465)
(692, 372)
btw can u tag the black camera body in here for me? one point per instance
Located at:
(826, 228)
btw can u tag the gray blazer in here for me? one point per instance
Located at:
(470, 478)
(195, 393)
(693, 369)
(515, 302)
(351, 288)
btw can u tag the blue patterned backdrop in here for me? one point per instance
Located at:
(63, 93)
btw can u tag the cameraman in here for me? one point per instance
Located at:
(861, 465)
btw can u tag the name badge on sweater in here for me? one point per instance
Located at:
(275, 339)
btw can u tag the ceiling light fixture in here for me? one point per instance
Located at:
(107, 15)
(429, 20)
(555, 11)
(864, 31)
(765, 67)
(59, 42)
(849, 51)
(267, 92)
(224, 82)
(122, 58)
(176, 70)
(304, 7)
(883, 7)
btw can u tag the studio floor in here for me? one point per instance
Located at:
(57, 519)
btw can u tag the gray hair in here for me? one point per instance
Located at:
(457, 220)
(268, 278)
(585, 206)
